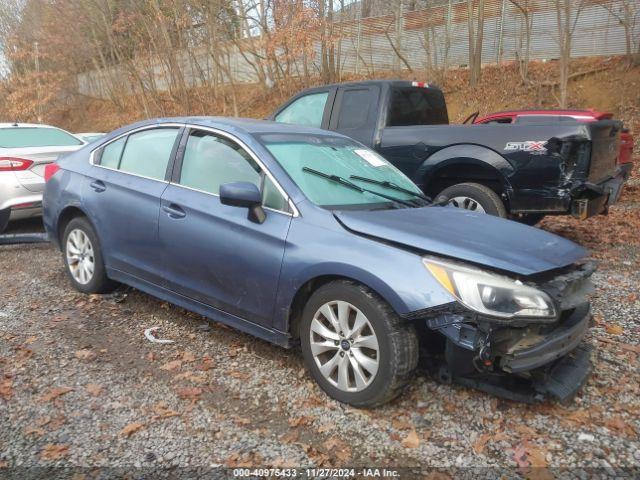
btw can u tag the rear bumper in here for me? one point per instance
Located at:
(590, 199)
(15, 196)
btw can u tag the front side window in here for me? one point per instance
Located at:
(342, 157)
(147, 153)
(307, 110)
(211, 160)
(20, 137)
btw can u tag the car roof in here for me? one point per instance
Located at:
(246, 125)
(26, 125)
(393, 82)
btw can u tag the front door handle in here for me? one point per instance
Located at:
(174, 211)
(98, 186)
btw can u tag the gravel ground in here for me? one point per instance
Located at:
(81, 387)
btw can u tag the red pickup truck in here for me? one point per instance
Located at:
(625, 161)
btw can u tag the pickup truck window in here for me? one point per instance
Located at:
(307, 110)
(354, 108)
(417, 106)
(336, 156)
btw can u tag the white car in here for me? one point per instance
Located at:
(90, 136)
(25, 150)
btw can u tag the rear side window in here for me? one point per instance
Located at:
(354, 108)
(36, 137)
(417, 106)
(307, 110)
(147, 153)
(111, 153)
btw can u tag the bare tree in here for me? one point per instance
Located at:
(523, 51)
(567, 14)
(627, 14)
(475, 13)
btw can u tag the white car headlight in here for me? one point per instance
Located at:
(490, 293)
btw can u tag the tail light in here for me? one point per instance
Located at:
(50, 170)
(10, 164)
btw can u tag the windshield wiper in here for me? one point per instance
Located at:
(392, 186)
(346, 183)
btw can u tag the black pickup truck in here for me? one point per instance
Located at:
(521, 171)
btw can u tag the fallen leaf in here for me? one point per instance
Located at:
(614, 329)
(188, 357)
(6, 388)
(411, 440)
(85, 354)
(171, 366)
(207, 364)
(34, 431)
(54, 393)
(131, 429)
(163, 411)
(401, 424)
(191, 376)
(240, 375)
(53, 451)
(93, 389)
(295, 422)
(338, 448)
(189, 393)
(481, 442)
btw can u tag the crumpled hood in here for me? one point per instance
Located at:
(473, 237)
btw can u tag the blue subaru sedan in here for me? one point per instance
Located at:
(307, 238)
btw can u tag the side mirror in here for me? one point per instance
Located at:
(246, 195)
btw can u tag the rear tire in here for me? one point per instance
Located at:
(372, 337)
(4, 219)
(83, 258)
(473, 197)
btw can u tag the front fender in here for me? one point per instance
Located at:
(312, 251)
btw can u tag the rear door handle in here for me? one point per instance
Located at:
(174, 211)
(98, 186)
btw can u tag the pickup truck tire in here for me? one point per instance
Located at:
(364, 332)
(475, 195)
(4, 218)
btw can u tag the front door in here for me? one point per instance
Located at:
(212, 252)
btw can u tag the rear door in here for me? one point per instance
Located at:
(356, 113)
(214, 253)
(123, 194)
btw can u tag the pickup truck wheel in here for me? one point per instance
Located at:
(355, 346)
(4, 218)
(474, 197)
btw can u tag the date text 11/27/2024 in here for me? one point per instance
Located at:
(317, 472)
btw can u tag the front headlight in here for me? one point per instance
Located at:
(489, 293)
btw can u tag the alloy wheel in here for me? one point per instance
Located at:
(344, 346)
(80, 256)
(466, 203)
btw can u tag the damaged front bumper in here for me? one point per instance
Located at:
(524, 360)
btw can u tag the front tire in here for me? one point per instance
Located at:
(83, 258)
(474, 197)
(355, 346)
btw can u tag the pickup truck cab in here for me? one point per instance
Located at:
(522, 171)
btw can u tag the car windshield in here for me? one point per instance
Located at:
(322, 166)
(21, 137)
